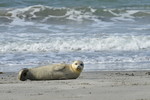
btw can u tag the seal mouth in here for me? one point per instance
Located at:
(79, 68)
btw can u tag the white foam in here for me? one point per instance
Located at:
(19, 15)
(124, 15)
(80, 15)
(124, 43)
(130, 15)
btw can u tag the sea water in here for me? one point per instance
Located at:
(104, 34)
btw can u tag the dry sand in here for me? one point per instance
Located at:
(98, 85)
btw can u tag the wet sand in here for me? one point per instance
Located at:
(96, 85)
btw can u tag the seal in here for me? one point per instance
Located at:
(52, 72)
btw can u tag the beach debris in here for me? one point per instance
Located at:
(85, 84)
(1, 72)
(9, 91)
(129, 74)
(118, 73)
(132, 74)
(147, 73)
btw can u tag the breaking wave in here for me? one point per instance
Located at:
(46, 14)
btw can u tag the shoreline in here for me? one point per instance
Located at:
(97, 85)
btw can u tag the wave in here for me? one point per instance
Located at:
(46, 14)
(65, 44)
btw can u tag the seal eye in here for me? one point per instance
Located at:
(81, 64)
(76, 63)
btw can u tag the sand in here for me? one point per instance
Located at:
(97, 85)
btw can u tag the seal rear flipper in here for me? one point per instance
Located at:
(23, 74)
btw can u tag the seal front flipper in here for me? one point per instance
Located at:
(59, 67)
(23, 74)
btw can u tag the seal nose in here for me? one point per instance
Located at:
(79, 68)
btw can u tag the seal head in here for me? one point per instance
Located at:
(77, 66)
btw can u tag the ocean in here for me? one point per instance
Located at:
(104, 34)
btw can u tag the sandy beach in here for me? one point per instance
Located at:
(98, 85)
(106, 35)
